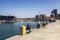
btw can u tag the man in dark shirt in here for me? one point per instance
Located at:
(44, 25)
(28, 28)
(38, 25)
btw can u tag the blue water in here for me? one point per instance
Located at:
(9, 30)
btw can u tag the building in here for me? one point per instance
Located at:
(7, 18)
(58, 16)
(40, 17)
(43, 17)
(54, 11)
(52, 15)
(37, 17)
(28, 19)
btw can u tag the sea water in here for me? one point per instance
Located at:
(11, 29)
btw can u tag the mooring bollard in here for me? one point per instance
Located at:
(22, 30)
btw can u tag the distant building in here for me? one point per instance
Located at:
(37, 17)
(43, 17)
(28, 19)
(7, 18)
(58, 16)
(52, 15)
(54, 11)
(40, 17)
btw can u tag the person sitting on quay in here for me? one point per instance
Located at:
(44, 25)
(28, 28)
(38, 25)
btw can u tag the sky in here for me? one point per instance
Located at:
(28, 8)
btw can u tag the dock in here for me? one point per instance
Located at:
(51, 32)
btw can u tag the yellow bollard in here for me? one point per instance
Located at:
(22, 30)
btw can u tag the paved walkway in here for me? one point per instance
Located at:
(51, 32)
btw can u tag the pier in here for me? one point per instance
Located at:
(51, 32)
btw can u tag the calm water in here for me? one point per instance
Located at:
(8, 30)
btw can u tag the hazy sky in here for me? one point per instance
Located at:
(28, 8)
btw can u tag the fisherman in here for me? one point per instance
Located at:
(43, 24)
(38, 25)
(28, 28)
